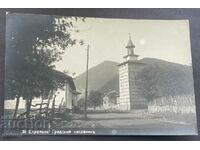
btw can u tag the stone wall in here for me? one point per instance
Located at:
(124, 87)
(130, 90)
(137, 99)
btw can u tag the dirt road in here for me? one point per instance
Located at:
(139, 123)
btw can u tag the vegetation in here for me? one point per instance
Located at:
(112, 97)
(81, 103)
(165, 79)
(170, 105)
(95, 99)
(33, 44)
(98, 76)
(158, 79)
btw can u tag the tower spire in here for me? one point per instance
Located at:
(130, 46)
(129, 36)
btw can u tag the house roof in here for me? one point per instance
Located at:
(62, 77)
(131, 55)
(76, 92)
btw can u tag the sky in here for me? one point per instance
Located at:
(162, 39)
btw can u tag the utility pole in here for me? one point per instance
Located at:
(86, 84)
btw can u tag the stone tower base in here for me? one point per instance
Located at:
(139, 105)
(125, 107)
(136, 105)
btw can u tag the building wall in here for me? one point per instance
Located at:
(60, 94)
(68, 96)
(131, 96)
(137, 99)
(124, 101)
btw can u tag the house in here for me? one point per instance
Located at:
(67, 93)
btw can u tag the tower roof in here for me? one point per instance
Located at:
(130, 43)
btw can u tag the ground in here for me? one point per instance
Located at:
(132, 122)
(139, 122)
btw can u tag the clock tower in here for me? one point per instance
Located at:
(130, 91)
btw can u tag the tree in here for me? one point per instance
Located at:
(81, 103)
(95, 99)
(112, 96)
(33, 44)
(148, 80)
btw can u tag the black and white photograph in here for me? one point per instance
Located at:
(97, 76)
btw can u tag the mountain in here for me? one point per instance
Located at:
(162, 79)
(111, 85)
(172, 78)
(98, 76)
